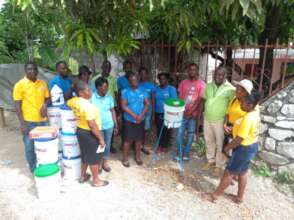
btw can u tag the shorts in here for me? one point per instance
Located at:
(88, 145)
(133, 131)
(241, 157)
(148, 120)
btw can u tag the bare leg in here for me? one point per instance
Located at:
(97, 182)
(126, 148)
(242, 182)
(84, 168)
(138, 152)
(223, 185)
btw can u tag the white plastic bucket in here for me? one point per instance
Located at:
(68, 120)
(173, 116)
(47, 184)
(70, 145)
(46, 150)
(71, 168)
(54, 116)
(57, 98)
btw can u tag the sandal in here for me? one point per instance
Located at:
(85, 178)
(126, 163)
(100, 184)
(235, 199)
(139, 162)
(208, 197)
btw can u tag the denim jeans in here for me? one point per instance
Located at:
(29, 144)
(107, 134)
(188, 125)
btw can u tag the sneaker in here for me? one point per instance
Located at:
(186, 158)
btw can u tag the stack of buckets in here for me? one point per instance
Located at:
(69, 151)
(47, 173)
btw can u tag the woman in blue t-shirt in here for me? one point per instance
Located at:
(162, 92)
(134, 103)
(104, 101)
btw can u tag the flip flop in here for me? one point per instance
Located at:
(208, 197)
(139, 162)
(104, 183)
(126, 164)
(235, 199)
(85, 179)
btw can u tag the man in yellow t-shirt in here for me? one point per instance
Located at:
(31, 96)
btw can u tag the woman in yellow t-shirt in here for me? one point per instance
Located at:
(244, 146)
(88, 134)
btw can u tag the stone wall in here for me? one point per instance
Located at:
(277, 130)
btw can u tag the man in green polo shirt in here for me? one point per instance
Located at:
(217, 96)
(112, 88)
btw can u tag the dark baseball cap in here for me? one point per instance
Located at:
(84, 69)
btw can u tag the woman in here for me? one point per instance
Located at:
(234, 111)
(104, 101)
(90, 138)
(134, 103)
(162, 92)
(244, 146)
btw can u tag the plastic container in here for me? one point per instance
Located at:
(57, 98)
(173, 112)
(71, 168)
(54, 116)
(46, 150)
(47, 178)
(43, 132)
(68, 120)
(70, 145)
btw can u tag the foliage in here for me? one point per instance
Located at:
(284, 178)
(263, 170)
(200, 147)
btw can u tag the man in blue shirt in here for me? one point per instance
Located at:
(149, 88)
(163, 92)
(122, 81)
(61, 82)
(104, 101)
(134, 105)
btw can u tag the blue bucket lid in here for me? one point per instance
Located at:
(65, 107)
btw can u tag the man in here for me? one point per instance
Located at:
(149, 88)
(112, 89)
(190, 90)
(217, 95)
(61, 85)
(31, 96)
(122, 81)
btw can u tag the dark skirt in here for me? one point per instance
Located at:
(88, 145)
(132, 131)
(241, 157)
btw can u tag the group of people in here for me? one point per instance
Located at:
(106, 106)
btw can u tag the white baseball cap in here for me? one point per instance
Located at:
(246, 84)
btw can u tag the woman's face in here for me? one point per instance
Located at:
(86, 93)
(241, 92)
(103, 89)
(245, 106)
(133, 80)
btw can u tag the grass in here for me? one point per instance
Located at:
(200, 147)
(284, 178)
(263, 170)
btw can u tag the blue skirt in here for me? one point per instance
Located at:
(241, 157)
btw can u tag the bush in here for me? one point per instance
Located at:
(284, 178)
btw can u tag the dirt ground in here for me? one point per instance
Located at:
(134, 193)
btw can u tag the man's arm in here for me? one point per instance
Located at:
(23, 127)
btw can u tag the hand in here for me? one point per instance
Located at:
(138, 119)
(102, 143)
(227, 149)
(115, 131)
(43, 111)
(187, 114)
(24, 129)
(227, 129)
